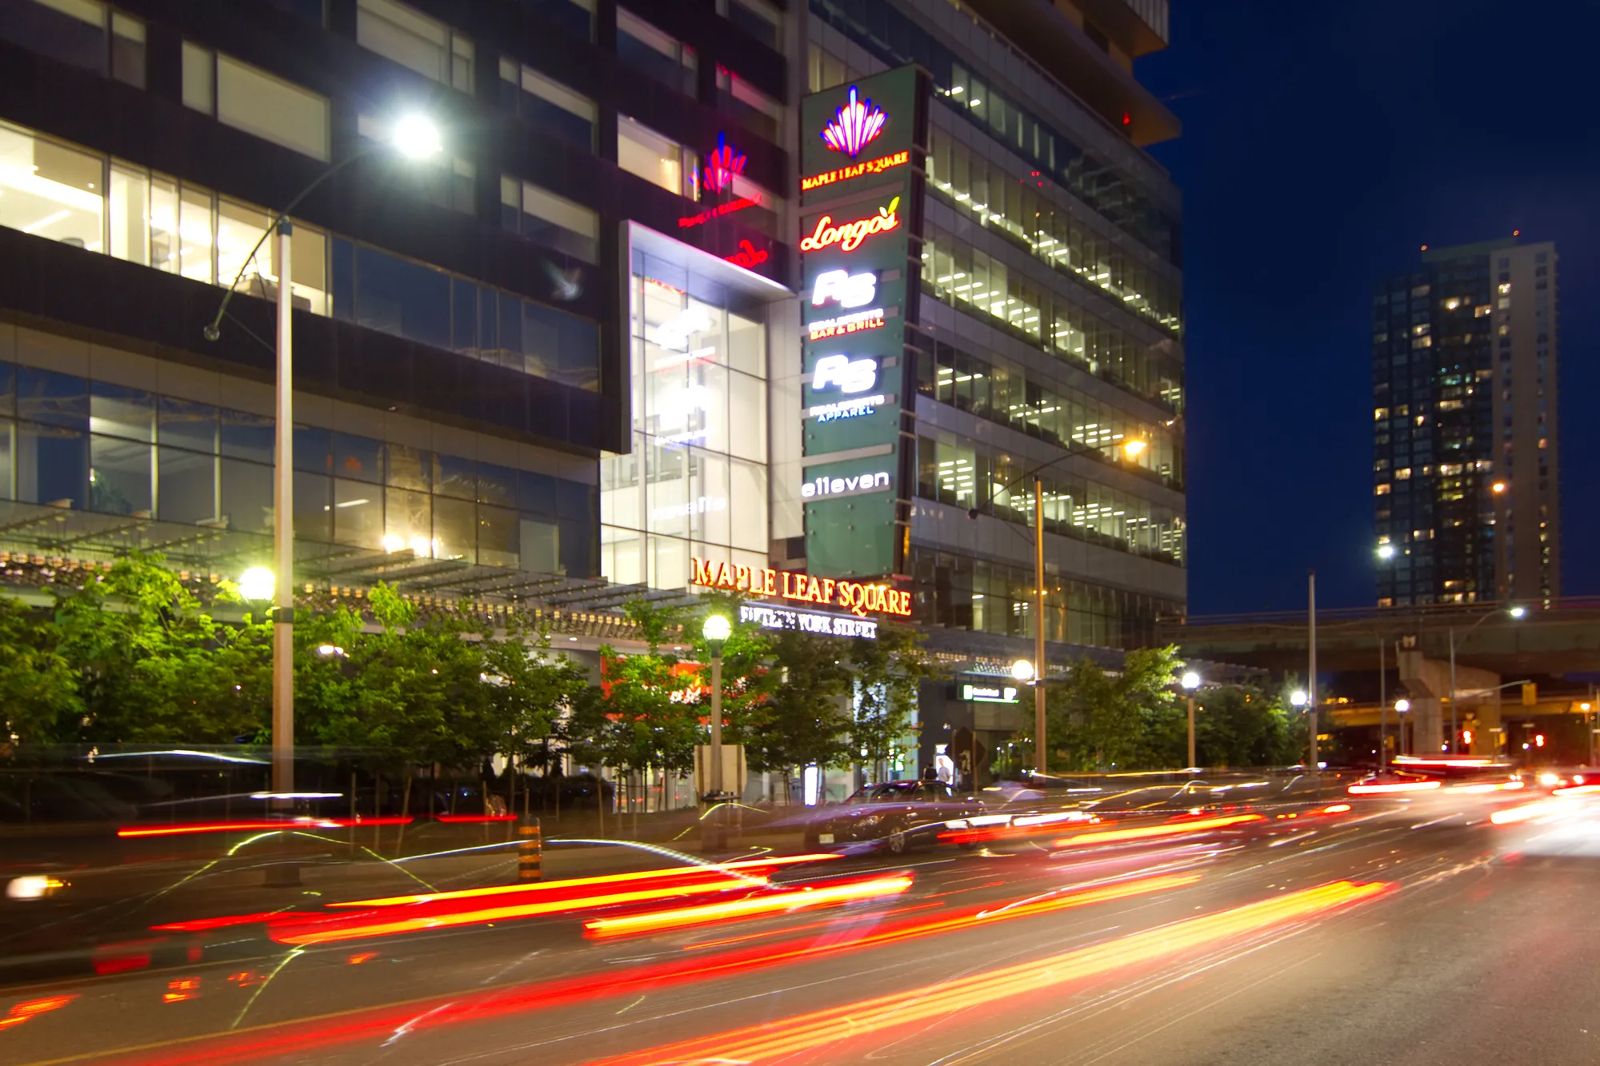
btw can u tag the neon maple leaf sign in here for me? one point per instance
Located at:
(722, 165)
(854, 126)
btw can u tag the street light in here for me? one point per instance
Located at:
(716, 629)
(1190, 682)
(1133, 448)
(1401, 706)
(414, 137)
(256, 583)
(1298, 697)
(1517, 612)
(1386, 552)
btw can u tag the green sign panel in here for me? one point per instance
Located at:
(861, 214)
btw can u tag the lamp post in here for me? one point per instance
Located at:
(1023, 672)
(716, 629)
(1516, 612)
(1190, 682)
(1401, 706)
(414, 137)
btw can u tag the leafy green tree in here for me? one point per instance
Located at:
(802, 717)
(39, 701)
(152, 666)
(888, 673)
(1132, 719)
(1237, 726)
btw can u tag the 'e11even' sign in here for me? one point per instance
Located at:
(854, 596)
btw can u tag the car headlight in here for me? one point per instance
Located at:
(33, 886)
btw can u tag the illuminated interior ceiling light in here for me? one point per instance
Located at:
(855, 125)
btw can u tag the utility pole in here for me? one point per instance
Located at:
(1383, 704)
(1311, 682)
(1039, 757)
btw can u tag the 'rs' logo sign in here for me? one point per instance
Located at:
(845, 374)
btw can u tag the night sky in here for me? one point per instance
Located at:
(1322, 144)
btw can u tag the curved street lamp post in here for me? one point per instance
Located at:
(414, 137)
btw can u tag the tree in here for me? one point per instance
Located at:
(152, 666)
(1133, 719)
(802, 717)
(1238, 726)
(888, 672)
(39, 698)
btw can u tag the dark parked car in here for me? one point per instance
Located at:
(896, 815)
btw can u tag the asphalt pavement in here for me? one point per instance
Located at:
(1409, 929)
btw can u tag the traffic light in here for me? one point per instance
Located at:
(1538, 740)
(1466, 737)
(1530, 693)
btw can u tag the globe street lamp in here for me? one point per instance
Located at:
(1190, 682)
(715, 630)
(1401, 706)
(1386, 552)
(1022, 671)
(256, 583)
(414, 137)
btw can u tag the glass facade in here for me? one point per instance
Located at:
(79, 443)
(895, 37)
(89, 201)
(695, 483)
(1008, 395)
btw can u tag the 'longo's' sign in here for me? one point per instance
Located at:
(857, 597)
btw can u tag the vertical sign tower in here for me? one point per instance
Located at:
(861, 191)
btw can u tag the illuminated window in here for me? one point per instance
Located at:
(412, 39)
(657, 159)
(1403, 474)
(1504, 288)
(261, 104)
(1381, 489)
(1380, 413)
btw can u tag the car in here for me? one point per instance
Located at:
(895, 815)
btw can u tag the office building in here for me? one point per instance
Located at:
(1048, 335)
(1465, 430)
(471, 334)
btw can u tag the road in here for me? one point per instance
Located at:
(1404, 929)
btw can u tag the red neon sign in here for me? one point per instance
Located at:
(688, 221)
(748, 255)
(856, 170)
(723, 165)
(850, 235)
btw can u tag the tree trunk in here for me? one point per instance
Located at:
(405, 811)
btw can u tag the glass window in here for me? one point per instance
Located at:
(409, 467)
(72, 31)
(246, 436)
(246, 496)
(656, 159)
(117, 411)
(759, 19)
(120, 476)
(560, 346)
(455, 476)
(49, 190)
(46, 396)
(129, 208)
(357, 457)
(560, 223)
(163, 241)
(642, 47)
(52, 465)
(754, 108)
(313, 448)
(127, 49)
(258, 103)
(549, 105)
(575, 17)
(401, 297)
(499, 536)
(313, 509)
(408, 522)
(195, 229)
(239, 228)
(188, 482)
(497, 485)
(454, 529)
(539, 545)
(412, 39)
(747, 345)
(199, 78)
(357, 513)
